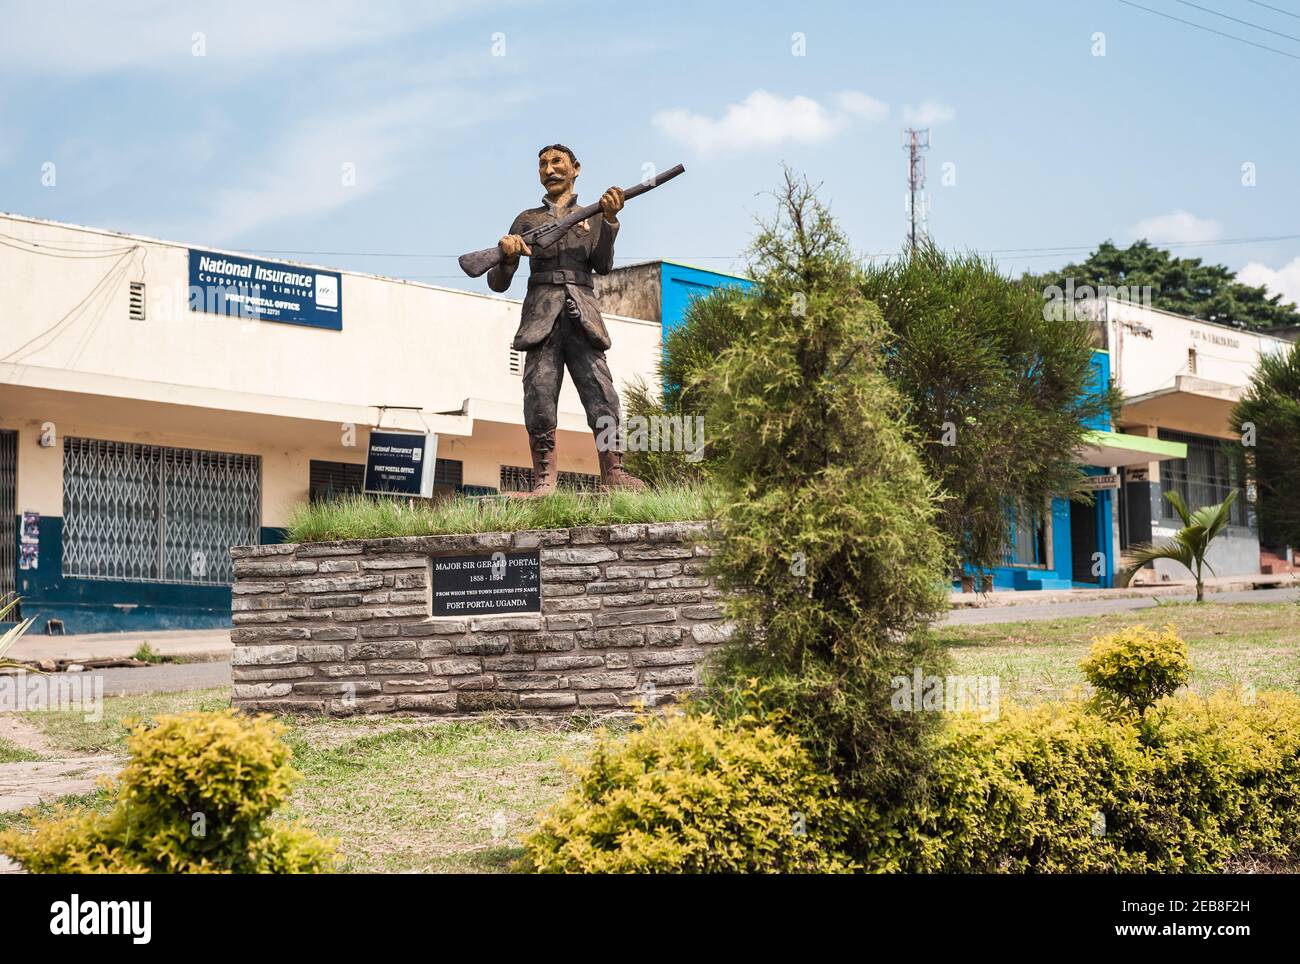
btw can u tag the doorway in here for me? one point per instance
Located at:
(1083, 542)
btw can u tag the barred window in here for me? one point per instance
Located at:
(1204, 478)
(1026, 536)
(516, 478)
(149, 513)
(329, 480)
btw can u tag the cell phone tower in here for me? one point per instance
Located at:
(916, 140)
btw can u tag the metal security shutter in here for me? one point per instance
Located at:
(516, 478)
(147, 513)
(8, 511)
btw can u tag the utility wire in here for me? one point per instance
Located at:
(1244, 23)
(1269, 6)
(1201, 26)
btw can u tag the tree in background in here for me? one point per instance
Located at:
(1183, 286)
(828, 549)
(999, 396)
(1267, 420)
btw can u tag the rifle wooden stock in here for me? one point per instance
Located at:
(476, 263)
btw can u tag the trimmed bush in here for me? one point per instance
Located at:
(197, 797)
(1136, 666)
(1061, 789)
(692, 794)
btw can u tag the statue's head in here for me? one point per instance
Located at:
(557, 168)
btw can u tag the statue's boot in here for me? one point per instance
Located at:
(612, 473)
(544, 470)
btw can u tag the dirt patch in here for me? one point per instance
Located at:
(17, 731)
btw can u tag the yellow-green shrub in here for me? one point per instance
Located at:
(691, 794)
(1059, 788)
(197, 796)
(1136, 666)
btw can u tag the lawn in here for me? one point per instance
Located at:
(401, 794)
(409, 794)
(1246, 644)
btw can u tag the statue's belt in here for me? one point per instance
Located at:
(561, 277)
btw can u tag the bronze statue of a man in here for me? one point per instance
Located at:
(561, 324)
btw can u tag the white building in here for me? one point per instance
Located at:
(1180, 378)
(136, 431)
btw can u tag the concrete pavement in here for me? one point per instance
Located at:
(1028, 611)
(185, 644)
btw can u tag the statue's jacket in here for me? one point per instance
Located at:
(562, 270)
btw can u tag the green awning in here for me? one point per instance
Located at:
(1116, 448)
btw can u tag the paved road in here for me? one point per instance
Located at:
(165, 678)
(1097, 607)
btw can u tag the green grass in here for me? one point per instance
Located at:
(71, 732)
(1255, 644)
(400, 793)
(359, 517)
(418, 795)
(11, 752)
(96, 799)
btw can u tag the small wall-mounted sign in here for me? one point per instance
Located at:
(401, 463)
(1142, 474)
(487, 583)
(1098, 483)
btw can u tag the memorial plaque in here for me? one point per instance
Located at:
(487, 583)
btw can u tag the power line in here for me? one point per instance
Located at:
(1277, 9)
(1244, 23)
(1201, 26)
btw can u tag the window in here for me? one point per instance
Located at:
(147, 513)
(329, 480)
(516, 478)
(1204, 478)
(136, 301)
(516, 362)
(8, 512)
(1026, 537)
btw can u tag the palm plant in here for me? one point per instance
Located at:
(1190, 544)
(14, 633)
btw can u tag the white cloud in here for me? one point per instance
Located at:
(301, 173)
(1285, 281)
(63, 37)
(764, 119)
(1177, 226)
(861, 105)
(929, 113)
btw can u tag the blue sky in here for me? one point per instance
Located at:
(440, 108)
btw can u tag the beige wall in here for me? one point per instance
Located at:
(282, 392)
(402, 343)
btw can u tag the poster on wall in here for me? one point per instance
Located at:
(29, 541)
(223, 284)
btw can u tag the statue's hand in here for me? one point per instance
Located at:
(611, 202)
(512, 246)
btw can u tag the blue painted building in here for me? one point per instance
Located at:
(1072, 545)
(660, 291)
